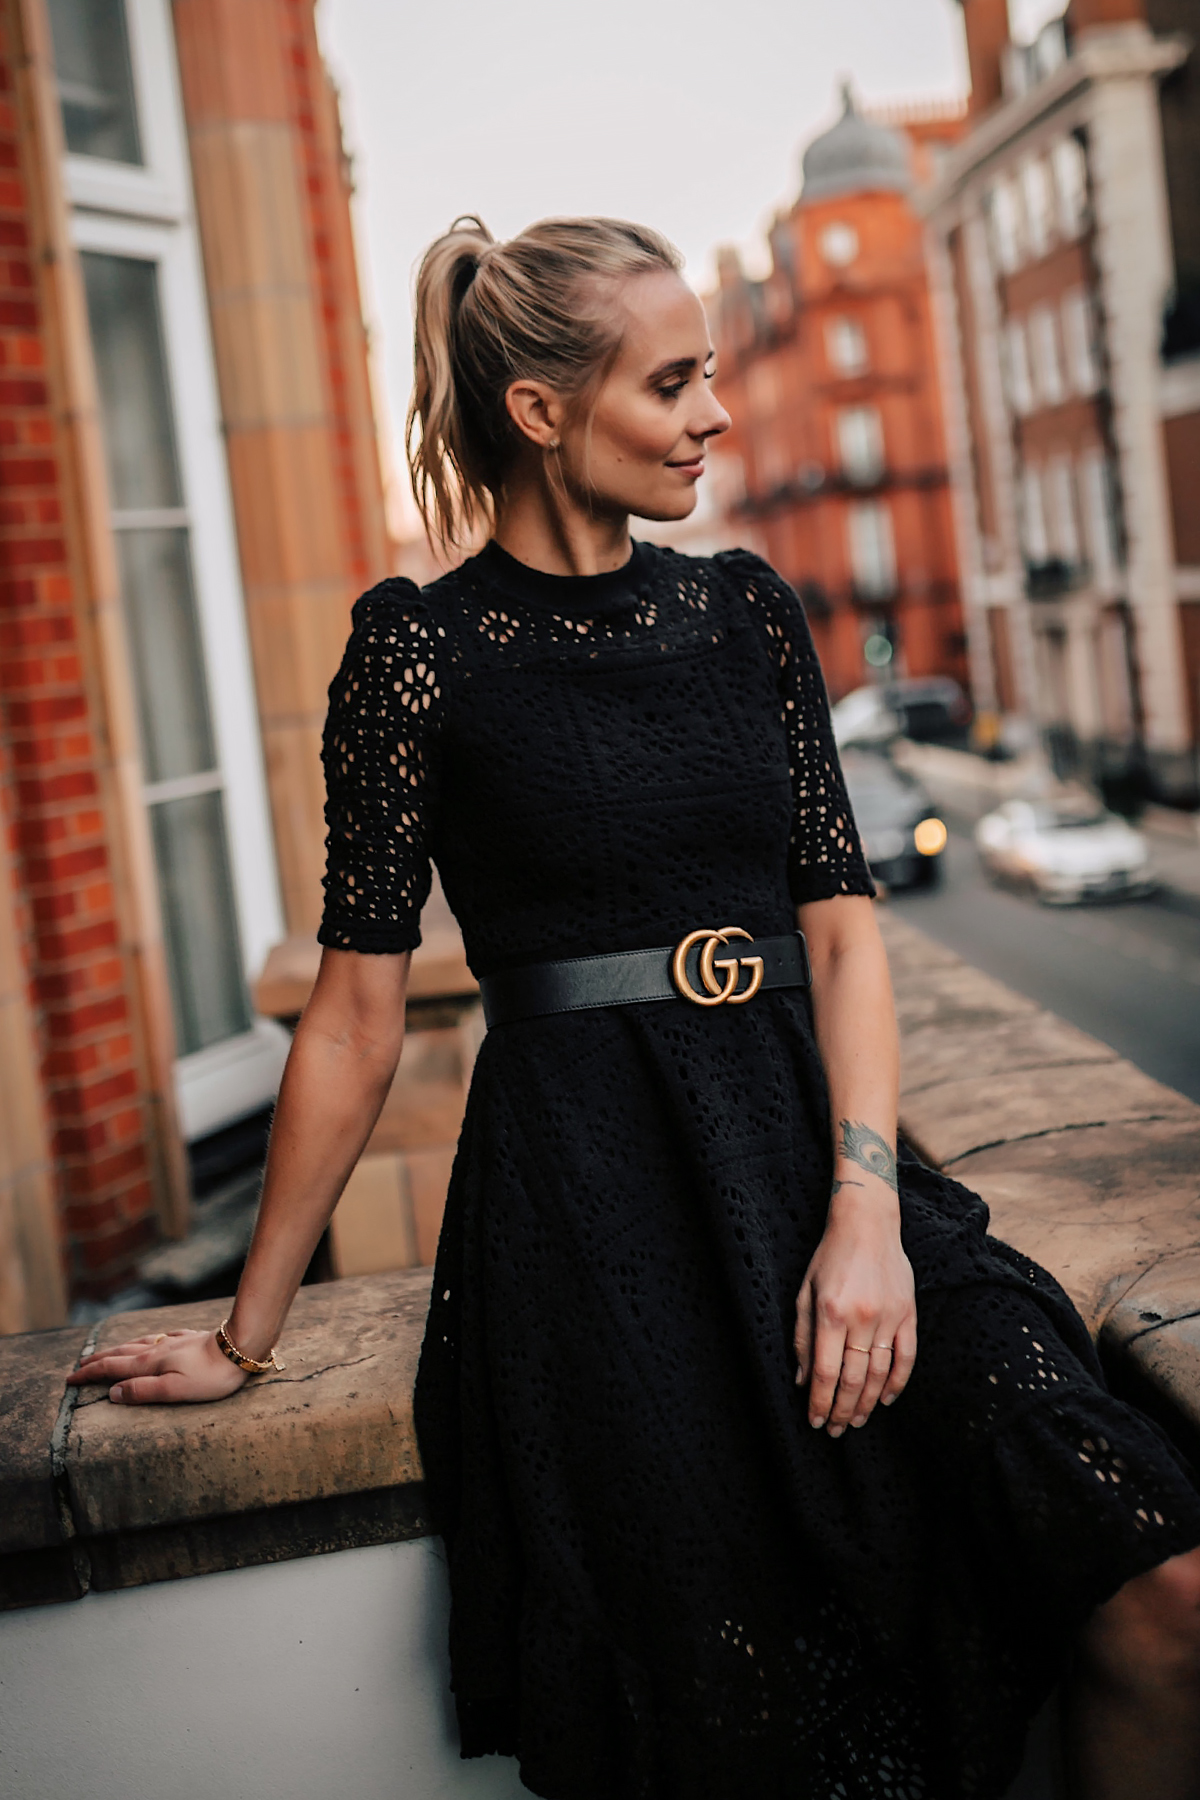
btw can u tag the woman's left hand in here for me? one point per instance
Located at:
(856, 1314)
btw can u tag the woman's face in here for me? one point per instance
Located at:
(640, 449)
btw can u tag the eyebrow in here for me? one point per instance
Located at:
(680, 365)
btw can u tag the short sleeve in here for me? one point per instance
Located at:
(380, 753)
(825, 857)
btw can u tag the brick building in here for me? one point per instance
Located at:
(190, 498)
(835, 466)
(1065, 243)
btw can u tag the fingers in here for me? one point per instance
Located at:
(857, 1369)
(856, 1362)
(879, 1365)
(142, 1390)
(803, 1337)
(111, 1365)
(904, 1355)
(826, 1369)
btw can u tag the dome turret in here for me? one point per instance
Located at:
(856, 156)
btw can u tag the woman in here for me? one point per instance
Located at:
(695, 1548)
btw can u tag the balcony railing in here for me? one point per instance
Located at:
(1051, 579)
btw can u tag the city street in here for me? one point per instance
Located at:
(1128, 973)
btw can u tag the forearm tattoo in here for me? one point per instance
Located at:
(861, 1145)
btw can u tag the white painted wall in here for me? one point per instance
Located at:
(298, 1681)
(304, 1680)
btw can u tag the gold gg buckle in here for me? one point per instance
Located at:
(718, 994)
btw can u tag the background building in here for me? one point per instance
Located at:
(190, 498)
(1065, 234)
(828, 369)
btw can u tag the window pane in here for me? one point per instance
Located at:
(164, 636)
(872, 550)
(139, 432)
(95, 79)
(846, 346)
(203, 955)
(860, 444)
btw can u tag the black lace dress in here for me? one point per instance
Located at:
(665, 1584)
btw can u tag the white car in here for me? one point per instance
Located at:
(1064, 850)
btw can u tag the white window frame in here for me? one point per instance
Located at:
(159, 187)
(1046, 355)
(1037, 193)
(1069, 161)
(1100, 529)
(1017, 368)
(839, 333)
(1063, 517)
(1079, 342)
(860, 444)
(146, 214)
(871, 542)
(1035, 538)
(1007, 233)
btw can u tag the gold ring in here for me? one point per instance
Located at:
(159, 1338)
(862, 1350)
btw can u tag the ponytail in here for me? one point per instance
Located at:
(489, 314)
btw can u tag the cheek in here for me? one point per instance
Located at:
(637, 435)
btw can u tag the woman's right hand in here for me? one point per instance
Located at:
(170, 1366)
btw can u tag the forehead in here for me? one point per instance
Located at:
(664, 320)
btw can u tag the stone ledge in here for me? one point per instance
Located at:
(1087, 1165)
(321, 1456)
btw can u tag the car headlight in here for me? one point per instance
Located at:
(930, 837)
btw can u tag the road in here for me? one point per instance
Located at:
(1128, 973)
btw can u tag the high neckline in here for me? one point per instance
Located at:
(582, 596)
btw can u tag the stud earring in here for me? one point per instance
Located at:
(552, 444)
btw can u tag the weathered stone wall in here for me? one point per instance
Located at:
(1086, 1163)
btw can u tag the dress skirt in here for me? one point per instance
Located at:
(666, 1585)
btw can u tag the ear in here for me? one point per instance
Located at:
(537, 411)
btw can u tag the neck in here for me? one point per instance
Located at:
(548, 530)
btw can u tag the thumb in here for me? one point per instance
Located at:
(142, 1390)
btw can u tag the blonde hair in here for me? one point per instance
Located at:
(538, 307)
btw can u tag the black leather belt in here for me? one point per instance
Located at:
(688, 971)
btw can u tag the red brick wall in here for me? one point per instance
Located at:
(805, 534)
(1181, 439)
(52, 796)
(314, 110)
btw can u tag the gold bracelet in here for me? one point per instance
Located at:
(251, 1365)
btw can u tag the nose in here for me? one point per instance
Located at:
(713, 419)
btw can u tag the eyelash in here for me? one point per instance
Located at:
(673, 391)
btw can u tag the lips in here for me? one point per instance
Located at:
(693, 466)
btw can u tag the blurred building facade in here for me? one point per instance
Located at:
(1065, 244)
(190, 498)
(835, 467)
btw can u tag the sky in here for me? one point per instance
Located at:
(688, 117)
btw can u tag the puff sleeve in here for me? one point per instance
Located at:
(825, 856)
(380, 754)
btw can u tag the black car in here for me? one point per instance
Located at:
(901, 832)
(930, 709)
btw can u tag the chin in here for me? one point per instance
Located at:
(663, 508)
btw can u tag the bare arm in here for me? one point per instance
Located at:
(341, 1065)
(856, 1314)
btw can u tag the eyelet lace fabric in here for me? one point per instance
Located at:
(665, 1585)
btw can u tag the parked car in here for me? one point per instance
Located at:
(1066, 851)
(930, 710)
(901, 833)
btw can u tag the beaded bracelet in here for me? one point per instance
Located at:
(251, 1365)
